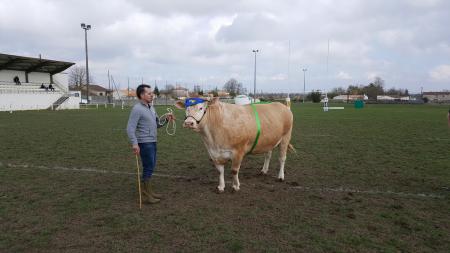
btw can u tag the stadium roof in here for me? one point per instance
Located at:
(29, 64)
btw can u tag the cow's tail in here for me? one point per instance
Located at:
(288, 102)
(292, 149)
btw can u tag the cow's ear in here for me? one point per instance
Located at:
(180, 105)
(214, 100)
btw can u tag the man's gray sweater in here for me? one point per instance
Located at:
(142, 124)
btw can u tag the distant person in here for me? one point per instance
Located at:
(17, 80)
(50, 87)
(44, 87)
(448, 118)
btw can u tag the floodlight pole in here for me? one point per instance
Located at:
(86, 28)
(304, 84)
(254, 77)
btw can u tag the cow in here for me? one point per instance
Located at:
(230, 132)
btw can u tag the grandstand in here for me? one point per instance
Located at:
(25, 81)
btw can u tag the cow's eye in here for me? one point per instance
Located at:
(201, 108)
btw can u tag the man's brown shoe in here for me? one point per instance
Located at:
(153, 193)
(146, 191)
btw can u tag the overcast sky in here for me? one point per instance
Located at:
(207, 42)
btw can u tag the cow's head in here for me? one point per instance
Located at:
(195, 110)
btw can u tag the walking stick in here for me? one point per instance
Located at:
(139, 182)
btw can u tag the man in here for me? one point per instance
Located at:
(17, 80)
(142, 132)
(448, 118)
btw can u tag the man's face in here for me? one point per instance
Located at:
(147, 95)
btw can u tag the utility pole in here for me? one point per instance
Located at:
(304, 83)
(109, 88)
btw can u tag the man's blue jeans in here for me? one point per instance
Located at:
(148, 158)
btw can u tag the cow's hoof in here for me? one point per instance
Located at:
(235, 189)
(280, 179)
(219, 191)
(262, 173)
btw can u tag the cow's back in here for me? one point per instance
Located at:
(276, 121)
(237, 127)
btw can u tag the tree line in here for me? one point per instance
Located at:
(372, 90)
(77, 77)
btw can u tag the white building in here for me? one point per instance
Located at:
(385, 98)
(125, 94)
(393, 98)
(437, 97)
(28, 83)
(350, 97)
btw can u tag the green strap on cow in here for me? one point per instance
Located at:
(258, 125)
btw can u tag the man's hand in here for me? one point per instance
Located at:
(170, 117)
(136, 149)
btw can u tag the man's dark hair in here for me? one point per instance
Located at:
(140, 89)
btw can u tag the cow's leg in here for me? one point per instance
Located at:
(267, 157)
(282, 160)
(220, 168)
(283, 150)
(235, 166)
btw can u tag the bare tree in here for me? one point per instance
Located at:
(77, 76)
(233, 87)
(398, 92)
(354, 90)
(336, 92)
(378, 82)
(374, 89)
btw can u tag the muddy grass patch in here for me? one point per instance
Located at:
(73, 211)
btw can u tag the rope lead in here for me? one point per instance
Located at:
(174, 124)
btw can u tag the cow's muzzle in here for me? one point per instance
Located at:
(190, 122)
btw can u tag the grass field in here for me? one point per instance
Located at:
(369, 180)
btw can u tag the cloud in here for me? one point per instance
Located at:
(279, 77)
(343, 75)
(440, 73)
(372, 75)
(252, 27)
(211, 41)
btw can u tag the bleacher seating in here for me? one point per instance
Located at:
(27, 96)
(21, 78)
(11, 87)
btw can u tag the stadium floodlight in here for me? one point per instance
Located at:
(86, 28)
(254, 77)
(304, 84)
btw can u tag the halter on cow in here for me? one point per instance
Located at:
(200, 113)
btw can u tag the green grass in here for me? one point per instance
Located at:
(379, 149)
